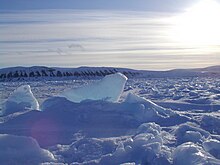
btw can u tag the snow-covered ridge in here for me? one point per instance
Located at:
(38, 73)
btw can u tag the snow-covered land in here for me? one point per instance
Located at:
(39, 73)
(169, 119)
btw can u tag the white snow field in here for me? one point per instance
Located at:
(156, 121)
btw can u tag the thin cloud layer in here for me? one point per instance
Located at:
(74, 38)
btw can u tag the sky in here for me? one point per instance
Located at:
(146, 5)
(139, 34)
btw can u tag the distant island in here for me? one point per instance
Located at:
(39, 73)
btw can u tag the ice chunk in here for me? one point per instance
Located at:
(109, 89)
(190, 132)
(24, 94)
(132, 98)
(22, 150)
(192, 154)
(20, 99)
(152, 128)
(211, 123)
(213, 147)
(193, 136)
(146, 138)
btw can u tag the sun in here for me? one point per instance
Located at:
(198, 25)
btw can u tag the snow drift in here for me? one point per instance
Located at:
(22, 150)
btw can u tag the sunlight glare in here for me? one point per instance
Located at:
(199, 25)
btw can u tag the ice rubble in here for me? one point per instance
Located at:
(103, 131)
(189, 132)
(109, 89)
(94, 118)
(213, 147)
(22, 150)
(144, 147)
(211, 123)
(192, 154)
(19, 100)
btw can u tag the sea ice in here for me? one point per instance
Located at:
(211, 123)
(151, 128)
(192, 154)
(22, 150)
(189, 132)
(132, 98)
(213, 147)
(109, 89)
(134, 131)
(19, 100)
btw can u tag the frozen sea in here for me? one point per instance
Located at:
(201, 93)
(156, 121)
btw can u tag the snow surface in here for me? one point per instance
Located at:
(22, 150)
(156, 121)
(191, 153)
(109, 89)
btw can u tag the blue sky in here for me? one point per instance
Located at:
(146, 5)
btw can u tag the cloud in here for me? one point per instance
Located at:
(94, 38)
